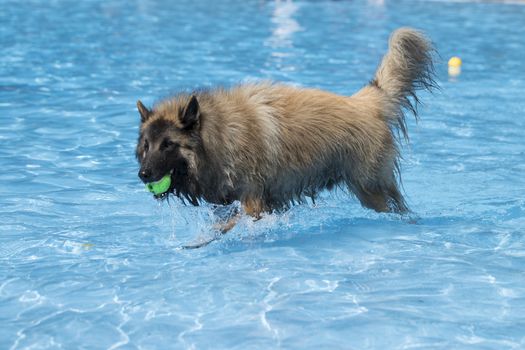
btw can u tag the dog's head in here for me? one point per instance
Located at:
(169, 143)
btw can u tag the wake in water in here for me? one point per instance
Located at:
(197, 227)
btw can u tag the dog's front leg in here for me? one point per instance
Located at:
(253, 207)
(226, 218)
(229, 219)
(224, 227)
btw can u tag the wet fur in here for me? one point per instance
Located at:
(270, 145)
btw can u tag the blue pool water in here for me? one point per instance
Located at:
(89, 260)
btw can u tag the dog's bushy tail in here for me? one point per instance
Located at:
(406, 68)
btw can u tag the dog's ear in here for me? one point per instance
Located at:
(191, 114)
(144, 112)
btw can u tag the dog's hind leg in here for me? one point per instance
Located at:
(396, 201)
(382, 199)
(380, 192)
(372, 199)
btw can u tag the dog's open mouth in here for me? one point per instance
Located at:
(160, 188)
(175, 182)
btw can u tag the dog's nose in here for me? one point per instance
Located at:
(145, 174)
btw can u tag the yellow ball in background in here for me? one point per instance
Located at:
(454, 66)
(454, 62)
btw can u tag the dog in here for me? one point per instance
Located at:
(270, 145)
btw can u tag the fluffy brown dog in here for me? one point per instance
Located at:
(270, 145)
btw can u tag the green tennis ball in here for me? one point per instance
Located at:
(161, 186)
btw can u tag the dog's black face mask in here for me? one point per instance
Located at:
(158, 152)
(167, 147)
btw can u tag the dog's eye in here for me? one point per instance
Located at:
(146, 146)
(166, 143)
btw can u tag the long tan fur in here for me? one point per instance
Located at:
(269, 145)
